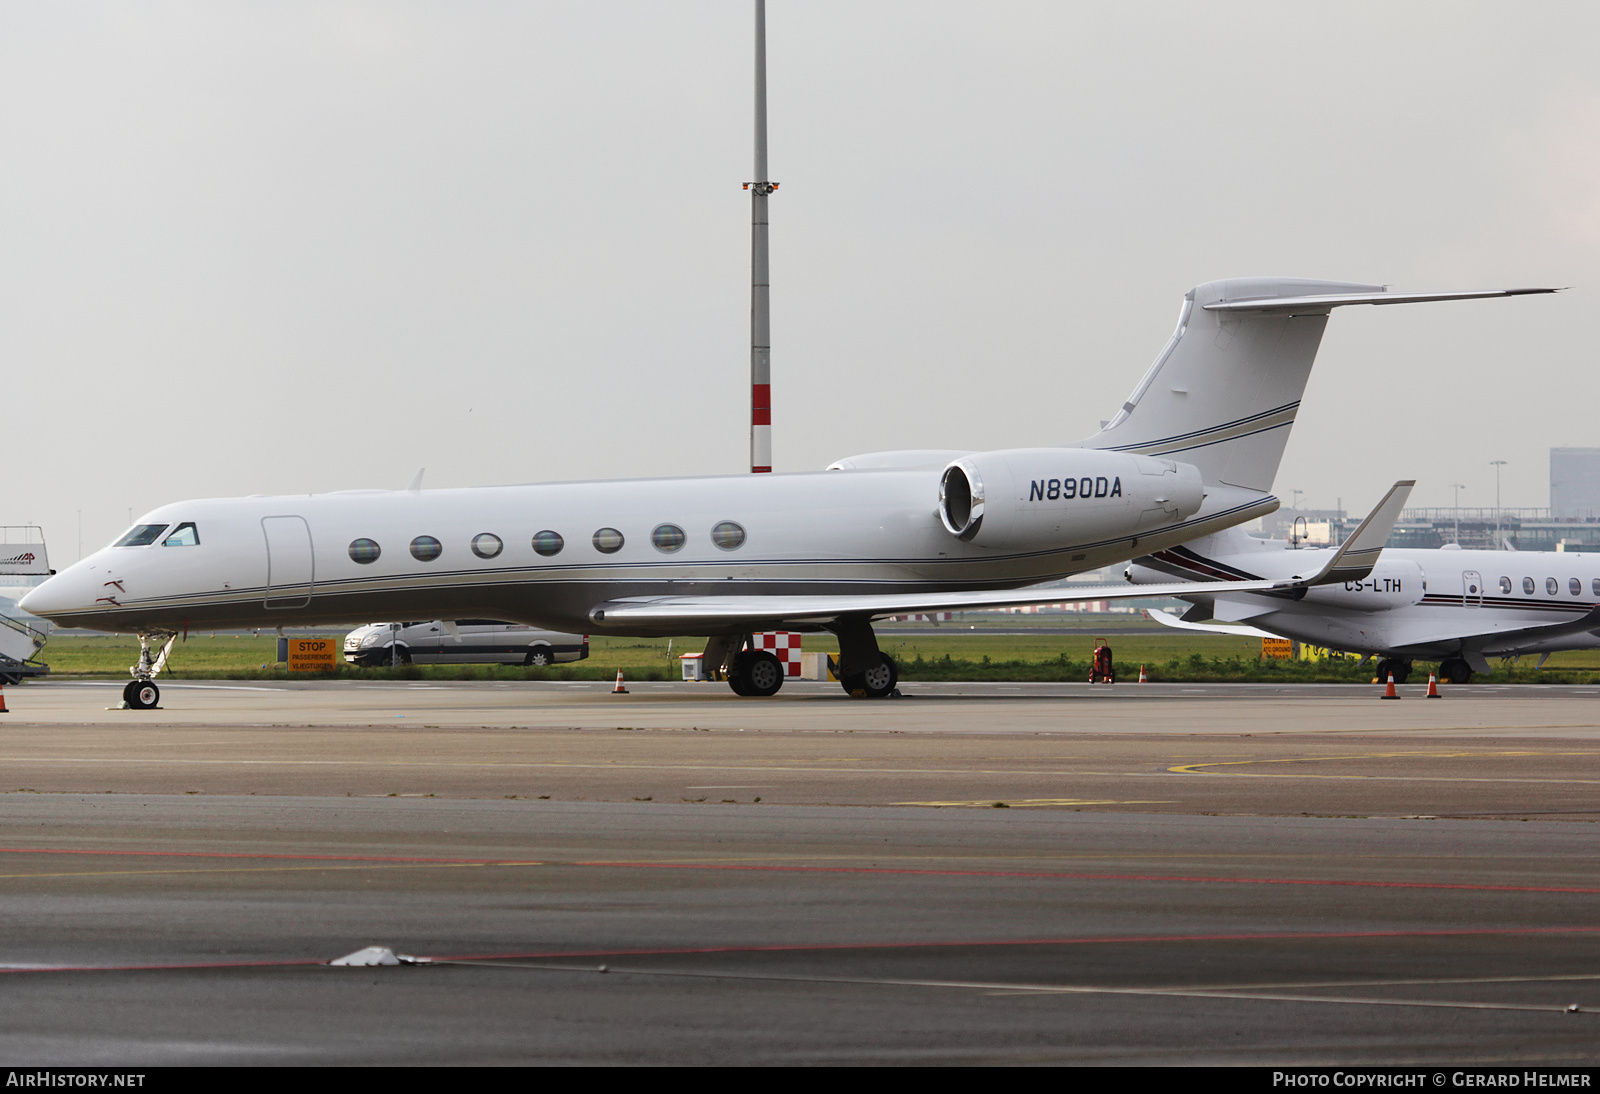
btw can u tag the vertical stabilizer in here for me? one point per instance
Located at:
(1225, 390)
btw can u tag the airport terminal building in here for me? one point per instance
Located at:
(1570, 523)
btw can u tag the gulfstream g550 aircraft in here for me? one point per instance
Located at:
(1192, 451)
(1457, 607)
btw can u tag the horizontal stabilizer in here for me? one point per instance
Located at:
(1322, 302)
(1167, 619)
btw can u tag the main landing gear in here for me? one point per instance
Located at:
(877, 681)
(1397, 667)
(748, 672)
(141, 692)
(1455, 670)
(865, 672)
(755, 672)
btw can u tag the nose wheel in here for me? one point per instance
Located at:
(141, 694)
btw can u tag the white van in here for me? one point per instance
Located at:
(467, 642)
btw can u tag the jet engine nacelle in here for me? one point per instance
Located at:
(1037, 498)
(1393, 583)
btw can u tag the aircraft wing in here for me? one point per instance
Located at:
(771, 612)
(1487, 637)
(1167, 619)
(1351, 562)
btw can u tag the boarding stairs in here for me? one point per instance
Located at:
(22, 554)
(19, 647)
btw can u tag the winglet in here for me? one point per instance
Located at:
(1357, 555)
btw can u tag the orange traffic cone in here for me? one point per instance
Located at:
(1433, 686)
(1389, 692)
(3, 709)
(619, 689)
(1142, 679)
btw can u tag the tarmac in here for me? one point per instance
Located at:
(1012, 874)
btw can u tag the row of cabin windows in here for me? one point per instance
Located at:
(1552, 586)
(666, 538)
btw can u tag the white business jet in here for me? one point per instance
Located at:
(1192, 451)
(1446, 604)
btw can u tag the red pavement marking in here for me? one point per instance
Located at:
(884, 870)
(243, 854)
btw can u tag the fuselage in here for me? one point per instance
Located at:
(1415, 604)
(546, 554)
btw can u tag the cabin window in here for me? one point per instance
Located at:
(548, 543)
(487, 545)
(1552, 586)
(364, 551)
(608, 541)
(184, 535)
(1575, 587)
(426, 548)
(1527, 586)
(1505, 584)
(728, 535)
(142, 535)
(667, 537)
(1594, 586)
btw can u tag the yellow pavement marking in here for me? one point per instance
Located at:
(1197, 768)
(1033, 803)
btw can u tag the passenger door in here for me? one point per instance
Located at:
(291, 572)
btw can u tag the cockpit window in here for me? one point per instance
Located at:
(184, 535)
(142, 535)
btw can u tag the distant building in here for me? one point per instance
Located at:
(1575, 483)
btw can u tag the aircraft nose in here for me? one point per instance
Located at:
(60, 595)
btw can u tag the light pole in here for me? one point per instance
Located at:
(1497, 465)
(760, 278)
(1458, 487)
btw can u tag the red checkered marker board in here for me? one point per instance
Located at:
(784, 645)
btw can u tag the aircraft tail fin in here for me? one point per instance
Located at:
(1224, 392)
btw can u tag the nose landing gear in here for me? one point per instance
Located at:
(141, 693)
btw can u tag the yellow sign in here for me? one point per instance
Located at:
(1280, 649)
(1322, 653)
(314, 654)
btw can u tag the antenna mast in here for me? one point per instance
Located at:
(760, 286)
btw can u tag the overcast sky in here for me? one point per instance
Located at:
(285, 247)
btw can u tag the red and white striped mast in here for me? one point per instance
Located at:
(760, 287)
